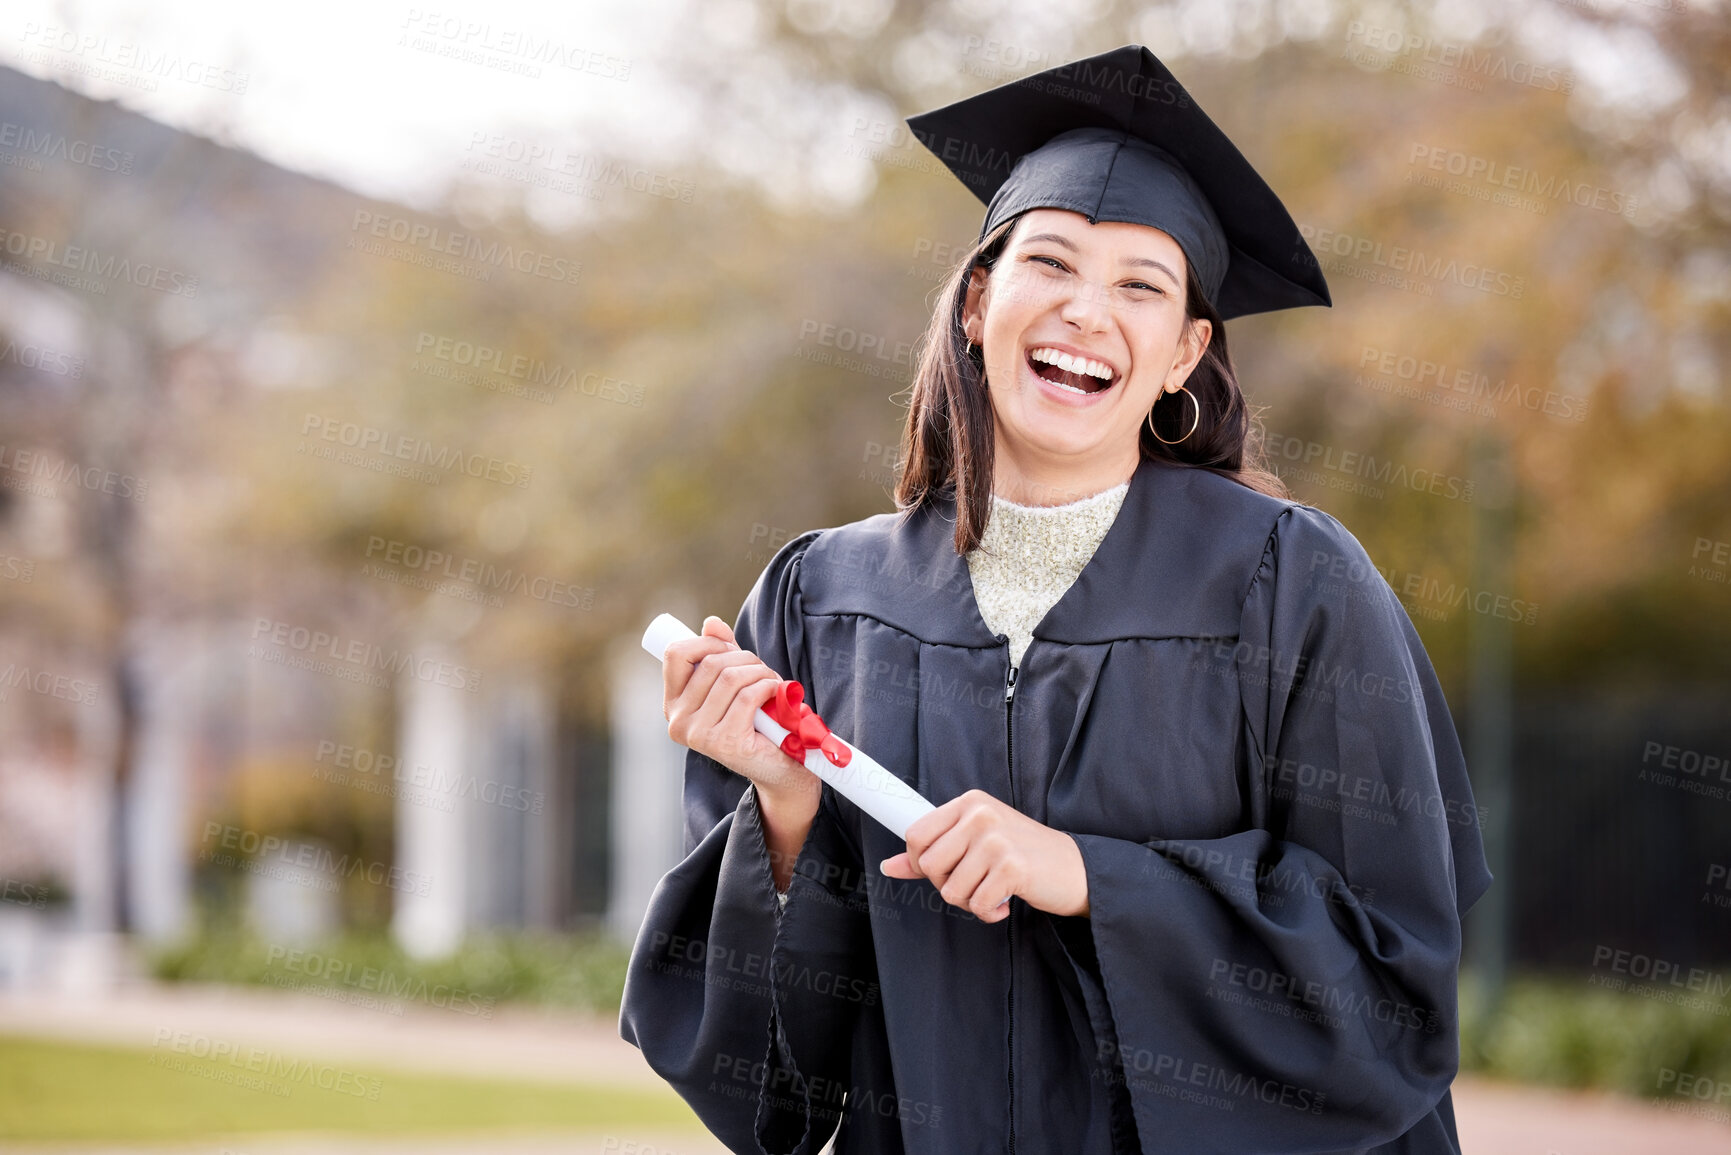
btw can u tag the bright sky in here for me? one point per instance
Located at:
(396, 99)
(388, 98)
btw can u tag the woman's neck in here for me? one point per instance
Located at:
(1034, 485)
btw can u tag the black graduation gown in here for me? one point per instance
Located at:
(1231, 713)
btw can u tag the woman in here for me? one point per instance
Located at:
(1204, 833)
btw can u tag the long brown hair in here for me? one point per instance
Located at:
(947, 445)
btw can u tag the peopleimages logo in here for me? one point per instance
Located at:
(1350, 252)
(47, 683)
(259, 850)
(107, 266)
(391, 446)
(360, 656)
(466, 246)
(1357, 470)
(503, 47)
(434, 563)
(133, 63)
(254, 1067)
(535, 372)
(53, 470)
(48, 145)
(1459, 63)
(351, 763)
(333, 971)
(44, 360)
(1523, 182)
(1461, 388)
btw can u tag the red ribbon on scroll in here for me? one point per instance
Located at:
(805, 730)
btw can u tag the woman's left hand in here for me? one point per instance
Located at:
(977, 850)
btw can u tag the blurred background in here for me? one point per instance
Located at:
(370, 375)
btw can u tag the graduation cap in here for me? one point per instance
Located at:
(1116, 138)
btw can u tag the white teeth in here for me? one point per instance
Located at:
(1073, 364)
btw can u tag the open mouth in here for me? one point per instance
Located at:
(1077, 374)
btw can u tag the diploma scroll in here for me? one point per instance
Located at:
(862, 781)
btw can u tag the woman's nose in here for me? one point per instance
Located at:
(1085, 306)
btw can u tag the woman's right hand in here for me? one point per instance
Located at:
(711, 691)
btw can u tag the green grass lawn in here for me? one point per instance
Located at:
(53, 1091)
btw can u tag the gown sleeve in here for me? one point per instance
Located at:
(1299, 976)
(747, 1008)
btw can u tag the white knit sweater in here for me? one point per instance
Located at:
(1029, 555)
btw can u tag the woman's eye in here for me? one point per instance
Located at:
(1053, 262)
(1142, 285)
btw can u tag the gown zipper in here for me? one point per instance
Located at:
(1010, 750)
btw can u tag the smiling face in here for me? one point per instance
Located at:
(1082, 326)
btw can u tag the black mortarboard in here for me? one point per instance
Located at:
(1116, 138)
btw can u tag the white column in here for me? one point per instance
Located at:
(648, 778)
(511, 869)
(432, 843)
(537, 724)
(158, 875)
(90, 956)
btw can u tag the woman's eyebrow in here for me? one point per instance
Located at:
(1067, 243)
(1153, 264)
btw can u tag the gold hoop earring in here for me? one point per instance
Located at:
(1194, 422)
(976, 355)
